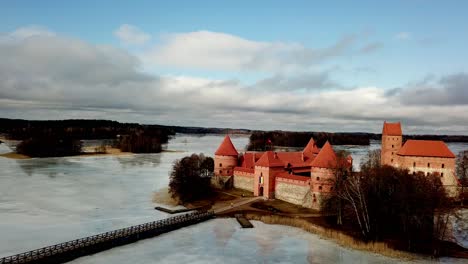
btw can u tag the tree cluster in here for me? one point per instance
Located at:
(46, 146)
(190, 178)
(383, 202)
(140, 143)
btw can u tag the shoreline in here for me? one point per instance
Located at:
(109, 152)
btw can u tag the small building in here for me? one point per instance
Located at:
(419, 156)
(301, 177)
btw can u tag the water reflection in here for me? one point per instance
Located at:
(45, 166)
(151, 160)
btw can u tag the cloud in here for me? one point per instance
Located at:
(307, 81)
(220, 51)
(131, 35)
(49, 76)
(403, 35)
(449, 90)
(371, 47)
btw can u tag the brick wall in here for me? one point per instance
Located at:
(244, 180)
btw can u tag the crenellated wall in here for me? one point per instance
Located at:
(244, 180)
(293, 191)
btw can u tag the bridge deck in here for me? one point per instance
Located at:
(67, 251)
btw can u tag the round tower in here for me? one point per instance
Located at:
(226, 158)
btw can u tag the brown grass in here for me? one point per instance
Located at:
(13, 155)
(163, 196)
(339, 237)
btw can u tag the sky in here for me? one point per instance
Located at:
(270, 65)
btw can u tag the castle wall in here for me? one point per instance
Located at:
(244, 180)
(293, 191)
(444, 166)
(224, 165)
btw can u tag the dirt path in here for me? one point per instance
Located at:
(243, 201)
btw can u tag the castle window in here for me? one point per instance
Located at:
(427, 174)
(220, 171)
(318, 178)
(320, 187)
(220, 165)
(443, 165)
(428, 165)
(391, 161)
(393, 146)
(392, 153)
(442, 174)
(228, 171)
(414, 164)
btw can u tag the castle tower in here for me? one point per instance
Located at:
(322, 174)
(392, 138)
(226, 158)
(266, 169)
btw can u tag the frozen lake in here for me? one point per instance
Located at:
(47, 201)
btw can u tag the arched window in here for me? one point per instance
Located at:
(220, 165)
(414, 164)
(428, 165)
(442, 174)
(443, 165)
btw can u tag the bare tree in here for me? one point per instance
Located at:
(462, 172)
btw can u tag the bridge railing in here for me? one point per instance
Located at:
(131, 233)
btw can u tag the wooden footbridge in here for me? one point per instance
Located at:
(67, 251)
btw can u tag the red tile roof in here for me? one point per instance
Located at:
(326, 157)
(392, 129)
(269, 159)
(311, 148)
(295, 159)
(249, 158)
(226, 148)
(426, 148)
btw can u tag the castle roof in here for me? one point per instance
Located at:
(426, 148)
(392, 129)
(269, 159)
(311, 148)
(226, 148)
(249, 158)
(326, 157)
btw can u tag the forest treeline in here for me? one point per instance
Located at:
(56, 138)
(263, 140)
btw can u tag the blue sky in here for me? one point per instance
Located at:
(401, 49)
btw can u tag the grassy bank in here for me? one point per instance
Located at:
(338, 237)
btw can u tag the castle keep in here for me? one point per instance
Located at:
(425, 156)
(301, 177)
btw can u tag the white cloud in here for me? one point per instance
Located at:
(51, 76)
(220, 51)
(131, 35)
(403, 35)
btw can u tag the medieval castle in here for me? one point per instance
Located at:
(304, 177)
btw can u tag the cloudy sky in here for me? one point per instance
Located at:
(290, 65)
